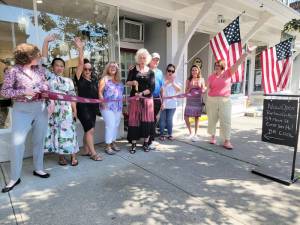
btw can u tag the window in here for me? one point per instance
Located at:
(95, 22)
(127, 61)
(257, 71)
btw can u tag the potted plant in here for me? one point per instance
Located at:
(292, 27)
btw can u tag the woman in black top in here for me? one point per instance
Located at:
(86, 112)
(141, 115)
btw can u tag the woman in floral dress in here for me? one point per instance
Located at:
(61, 135)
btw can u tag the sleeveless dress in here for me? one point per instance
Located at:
(61, 135)
(193, 106)
(87, 111)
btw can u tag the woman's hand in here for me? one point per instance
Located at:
(135, 83)
(251, 48)
(30, 92)
(51, 37)
(74, 113)
(51, 108)
(139, 94)
(79, 43)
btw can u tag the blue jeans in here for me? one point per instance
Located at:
(166, 120)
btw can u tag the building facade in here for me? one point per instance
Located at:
(179, 30)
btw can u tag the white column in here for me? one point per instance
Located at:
(192, 28)
(172, 40)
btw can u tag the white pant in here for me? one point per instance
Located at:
(219, 108)
(112, 121)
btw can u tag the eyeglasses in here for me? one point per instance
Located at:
(171, 71)
(87, 69)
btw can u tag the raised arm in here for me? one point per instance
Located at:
(48, 38)
(235, 67)
(80, 47)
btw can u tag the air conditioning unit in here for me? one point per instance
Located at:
(131, 31)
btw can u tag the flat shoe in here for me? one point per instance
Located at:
(46, 175)
(7, 189)
(228, 146)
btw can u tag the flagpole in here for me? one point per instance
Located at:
(243, 12)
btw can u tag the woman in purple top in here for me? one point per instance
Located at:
(111, 90)
(22, 83)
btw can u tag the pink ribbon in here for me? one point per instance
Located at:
(62, 97)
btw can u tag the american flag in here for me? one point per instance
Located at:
(276, 65)
(227, 45)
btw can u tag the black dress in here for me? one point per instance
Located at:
(141, 111)
(87, 112)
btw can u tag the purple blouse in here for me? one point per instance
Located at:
(113, 91)
(16, 81)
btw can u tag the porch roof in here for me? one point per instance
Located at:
(187, 10)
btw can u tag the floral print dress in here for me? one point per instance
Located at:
(61, 135)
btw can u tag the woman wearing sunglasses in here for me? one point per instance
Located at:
(170, 88)
(195, 86)
(88, 88)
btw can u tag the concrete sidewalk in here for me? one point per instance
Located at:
(181, 182)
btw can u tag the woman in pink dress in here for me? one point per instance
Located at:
(195, 86)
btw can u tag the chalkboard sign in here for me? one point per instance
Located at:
(279, 122)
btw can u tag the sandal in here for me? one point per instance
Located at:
(74, 161)
(109, 150)
(133, 148)
(62, 161)
(96, 157)
(115, 147)
(170, 138)
(162, 138)
(212, 141)
(228, 146)
(86, 154)
(146, 147)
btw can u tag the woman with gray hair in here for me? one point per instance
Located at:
(141, 110)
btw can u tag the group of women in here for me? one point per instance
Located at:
(53, 122)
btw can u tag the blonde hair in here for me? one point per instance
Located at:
(140, 52)
(106, 71)
(221, 63)
(24, 53)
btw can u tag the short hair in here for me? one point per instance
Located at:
(222, 63)
(143, 51)
(198, 75)
(170, 65)
(57, 59)
(24, 53)
(106, 71)
(85, 60)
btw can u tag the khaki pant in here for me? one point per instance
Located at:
(219, 108)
